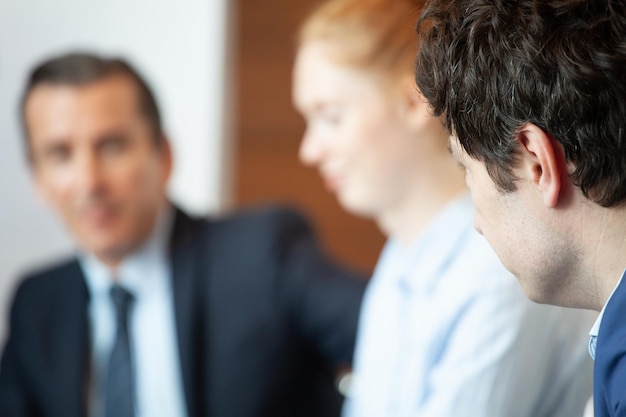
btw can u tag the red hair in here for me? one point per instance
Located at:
(373, 34)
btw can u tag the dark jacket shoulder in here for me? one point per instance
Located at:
(266, 220)
(39, 284)
(59, 270)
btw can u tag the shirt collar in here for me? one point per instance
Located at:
(134, 271)
(436, 243)
(596, 326)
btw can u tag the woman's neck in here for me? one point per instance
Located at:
(406, 220)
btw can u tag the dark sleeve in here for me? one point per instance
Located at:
(323, 299)
(14, 400)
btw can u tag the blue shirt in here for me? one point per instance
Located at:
(606, 346)
(445, 331)
(147, 275)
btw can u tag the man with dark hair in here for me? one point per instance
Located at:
(161, 314)
(534, 95)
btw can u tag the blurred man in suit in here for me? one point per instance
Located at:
(534, 95)
(160, 314)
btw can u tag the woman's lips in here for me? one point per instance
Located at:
(331, 182)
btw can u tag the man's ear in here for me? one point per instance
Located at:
(413, 105)
(168, 157)
(541, 161)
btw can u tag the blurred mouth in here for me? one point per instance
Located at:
(98, 216)
(331, 182)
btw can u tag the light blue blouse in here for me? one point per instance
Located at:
(445, 331)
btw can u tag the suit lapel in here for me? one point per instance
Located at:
(187, 305)
(69, 342)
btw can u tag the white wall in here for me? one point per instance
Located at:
(180, 46)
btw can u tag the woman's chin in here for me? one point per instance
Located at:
(355, 206)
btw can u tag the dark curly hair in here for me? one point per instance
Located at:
(490, 66)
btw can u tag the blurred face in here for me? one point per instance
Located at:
(96, 163)
(357, 134)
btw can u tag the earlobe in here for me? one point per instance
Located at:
(168, 157)
(414, 105)
(541, 161)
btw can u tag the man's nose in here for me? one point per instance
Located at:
(88, 172)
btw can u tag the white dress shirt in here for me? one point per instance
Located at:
(445, 331)
(147, 275)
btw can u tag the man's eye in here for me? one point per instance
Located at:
(112, 146)
(57, 154)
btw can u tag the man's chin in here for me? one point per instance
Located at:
(109, 251)
(534, 293)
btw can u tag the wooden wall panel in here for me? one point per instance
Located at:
(268, 131)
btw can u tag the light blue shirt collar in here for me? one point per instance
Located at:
(134, 271)
(437, 243)
(593, 333)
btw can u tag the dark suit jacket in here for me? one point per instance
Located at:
(263, 318)
(609, 372)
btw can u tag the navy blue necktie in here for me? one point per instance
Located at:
(120, 384)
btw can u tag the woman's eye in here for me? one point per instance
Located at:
(331, 117)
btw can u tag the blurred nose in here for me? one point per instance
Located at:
(311, 150)
(88, 174)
